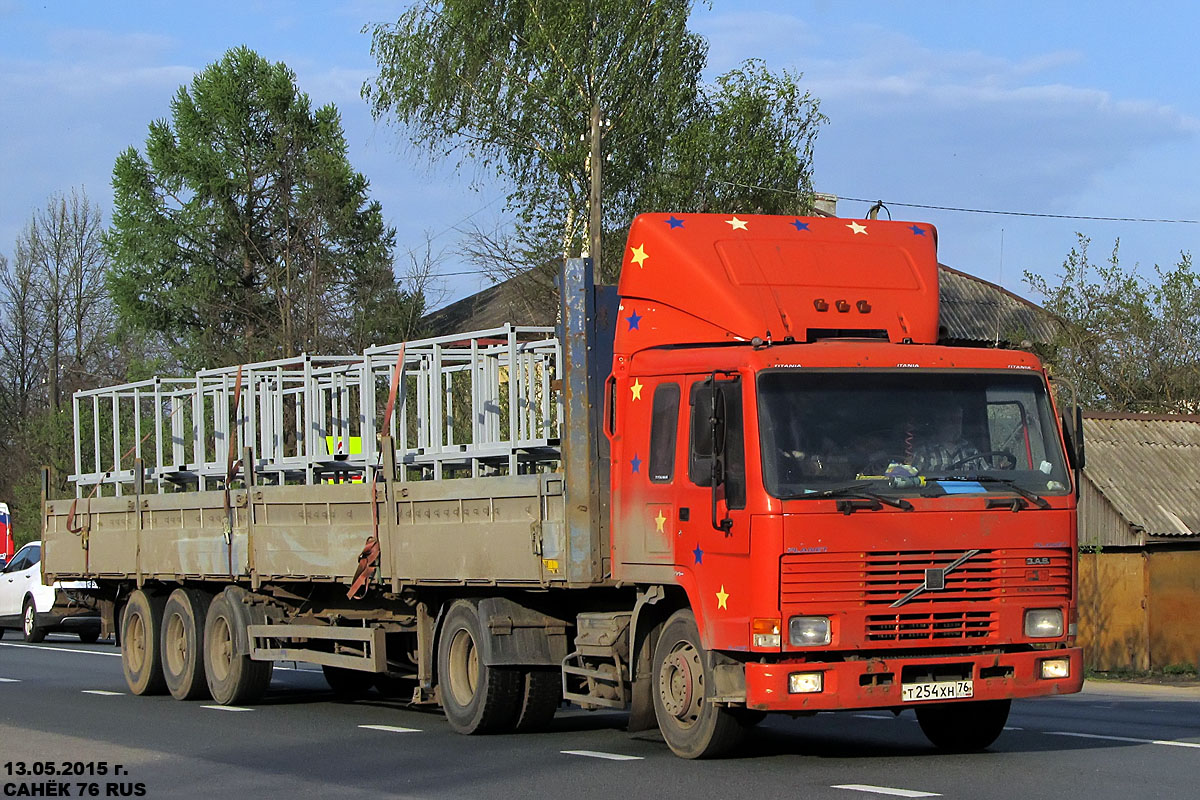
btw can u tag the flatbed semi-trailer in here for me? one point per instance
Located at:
(704, 496)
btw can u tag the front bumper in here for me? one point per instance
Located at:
(876, 682)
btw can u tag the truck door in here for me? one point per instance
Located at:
(714, 522)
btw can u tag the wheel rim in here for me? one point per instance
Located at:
(464, 667)
(176, 645)
(220, 645)
(135, 642)
(681, 684)
(28, 620)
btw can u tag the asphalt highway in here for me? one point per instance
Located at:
(64, 707)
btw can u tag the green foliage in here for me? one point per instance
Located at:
(243, 232)
(746, 148)
(1127, 343)
(513, 85)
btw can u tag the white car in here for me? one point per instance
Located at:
(28, 605)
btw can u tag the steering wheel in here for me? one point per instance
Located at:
(985, 455)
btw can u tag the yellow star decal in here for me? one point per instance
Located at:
(736, 224)
(658, 522)
(639, 255)
(636, 388)
(854, 226)
(722, 596)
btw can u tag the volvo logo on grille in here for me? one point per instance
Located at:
(935, 578)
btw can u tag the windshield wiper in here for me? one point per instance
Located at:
(1032, 497)
(858, 491)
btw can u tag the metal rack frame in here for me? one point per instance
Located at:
(472, 404)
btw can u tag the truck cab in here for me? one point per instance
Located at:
(850, 514)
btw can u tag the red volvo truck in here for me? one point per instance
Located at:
(747, 480)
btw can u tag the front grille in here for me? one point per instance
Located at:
(882, 578)
(930, 627)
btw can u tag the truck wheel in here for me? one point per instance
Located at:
(540, 699)
(183, 643)
(141, 655)
(233, 679)
(476, 698)
(33, 632)
(691, 726)
(89, 636)
(348, 684)
(963, 727)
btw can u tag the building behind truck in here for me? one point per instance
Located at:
(700, 498)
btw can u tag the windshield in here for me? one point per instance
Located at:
(908, 432)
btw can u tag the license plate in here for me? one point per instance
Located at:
(936, 690)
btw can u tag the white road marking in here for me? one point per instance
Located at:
(1012, 728)
(390, 728)
(228, 708)
(1167, 742)
(60, 649)
(862, 787)
(876, 716)
(598, 754)
(102, 692)
(9, 680)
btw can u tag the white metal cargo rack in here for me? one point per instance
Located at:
(472, 404)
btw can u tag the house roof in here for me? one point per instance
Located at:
(973, 311)
(1148, 467)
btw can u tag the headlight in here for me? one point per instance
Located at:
(1043, 623)
(1055, 668)
(808, 631)
(805, 682)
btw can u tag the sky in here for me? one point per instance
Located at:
(1069, 108)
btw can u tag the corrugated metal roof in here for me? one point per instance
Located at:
(1148, 467)
(973, 311)
(978, 312)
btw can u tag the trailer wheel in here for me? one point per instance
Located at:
(141, 656)
(540, 699)
(33, 632)
(183, 643)
(963, 727)
(691, 726)
(475, 697)
(233, 679)
(348, 684)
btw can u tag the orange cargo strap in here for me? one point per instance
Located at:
(77, 529)
(232, 465)
(368, 559)
(368, 562)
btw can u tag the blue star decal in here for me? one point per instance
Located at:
(633, 319)
(699, 555)
(674, 222)
(800, 226)
(917, 230)
(636, 462)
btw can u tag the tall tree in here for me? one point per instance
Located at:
(244, 233)
(55, 338)
(1127, 342)
(554, 94)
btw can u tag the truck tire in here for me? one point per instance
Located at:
(691, 726)
(963, 727)
(183, 643)
(141, 655)
(233, 679)
(348, 684)
(89, 636)
(476, 698)
(540, 699)
(29, 625)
